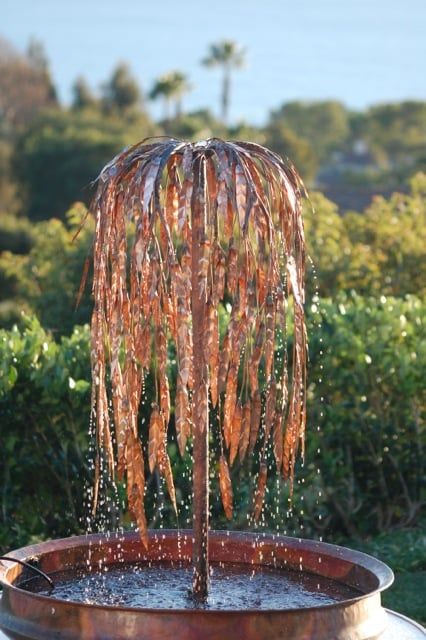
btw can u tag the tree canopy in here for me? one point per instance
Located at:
(60, 155)
(26, 87)
(121, 92)
(325, 125)
(83, 97)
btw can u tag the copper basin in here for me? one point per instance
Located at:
(30, 615)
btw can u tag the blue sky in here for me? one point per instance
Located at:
(361, 52)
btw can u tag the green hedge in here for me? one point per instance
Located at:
(373, 429)
(44, 408)
(365, 437)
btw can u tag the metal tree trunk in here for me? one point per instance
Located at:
(201, 416)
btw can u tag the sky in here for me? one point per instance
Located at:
(358, 51)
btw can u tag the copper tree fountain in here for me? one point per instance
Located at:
(212, 221)
(183, 229)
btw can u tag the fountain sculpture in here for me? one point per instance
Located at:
(181, 230)
(213, 221)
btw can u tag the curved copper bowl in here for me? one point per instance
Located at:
(31, 615)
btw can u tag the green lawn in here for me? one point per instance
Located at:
(408, 595)
(405, 552)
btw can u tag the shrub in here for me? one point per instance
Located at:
(388, 244)
(48, 277)
(379, 251)
(371, 376)
(44, 408)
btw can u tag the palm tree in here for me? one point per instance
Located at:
(228, 55)
(171, 87)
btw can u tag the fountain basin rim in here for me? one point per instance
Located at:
(381, 571)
